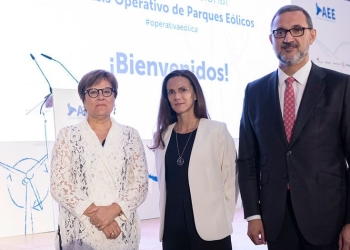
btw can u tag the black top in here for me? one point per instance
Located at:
(178, 209)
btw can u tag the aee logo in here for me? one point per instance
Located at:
(325, 12)
(71, 110)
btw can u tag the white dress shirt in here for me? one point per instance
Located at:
(299, 84)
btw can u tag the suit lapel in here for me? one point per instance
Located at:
(313, 89)
(199, 140)
(273, 105)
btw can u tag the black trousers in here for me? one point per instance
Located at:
(183, 242)
(290, 237)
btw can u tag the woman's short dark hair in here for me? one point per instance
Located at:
(167, 116)
(95, 77)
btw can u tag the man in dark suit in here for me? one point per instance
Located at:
(294, 146)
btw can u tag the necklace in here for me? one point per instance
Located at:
(180, 161)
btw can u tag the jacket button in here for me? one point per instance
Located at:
(289, 152)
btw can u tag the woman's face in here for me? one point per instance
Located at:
(181, 95)
(100, 106)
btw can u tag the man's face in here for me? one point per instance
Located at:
(291, 50)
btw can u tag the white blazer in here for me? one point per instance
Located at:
(212, 179)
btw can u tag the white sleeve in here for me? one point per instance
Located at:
(228, 170)
(137, 177)
(63, 183)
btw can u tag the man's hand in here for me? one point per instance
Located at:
(344, 238)
(112, 231)
(256, 232)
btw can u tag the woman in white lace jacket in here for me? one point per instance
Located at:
(99, 174)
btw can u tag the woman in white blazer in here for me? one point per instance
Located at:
(99, 174)
(195, 160)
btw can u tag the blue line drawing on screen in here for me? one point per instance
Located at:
(28, 187)
(153, 177)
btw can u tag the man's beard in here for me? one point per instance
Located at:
(296, 59)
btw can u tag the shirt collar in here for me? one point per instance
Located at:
(300, 76)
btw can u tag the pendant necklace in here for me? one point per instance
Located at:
(180, 161)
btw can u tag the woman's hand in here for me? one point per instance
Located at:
(86, 212)
(112, 231)
(102, 216)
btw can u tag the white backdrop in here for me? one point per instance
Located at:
(225, 42)
(331, 20)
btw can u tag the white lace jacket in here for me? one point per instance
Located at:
(85, 172)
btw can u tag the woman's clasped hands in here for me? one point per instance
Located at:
(103, 218)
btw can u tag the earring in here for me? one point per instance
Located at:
(114, 111)
(84, 113)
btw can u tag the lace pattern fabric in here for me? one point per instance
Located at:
(83, 172)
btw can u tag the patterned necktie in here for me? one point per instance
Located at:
(289, 107)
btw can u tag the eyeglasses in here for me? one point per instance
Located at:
(106, 92)
(295, 32)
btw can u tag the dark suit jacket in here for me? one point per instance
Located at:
(313, 163)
